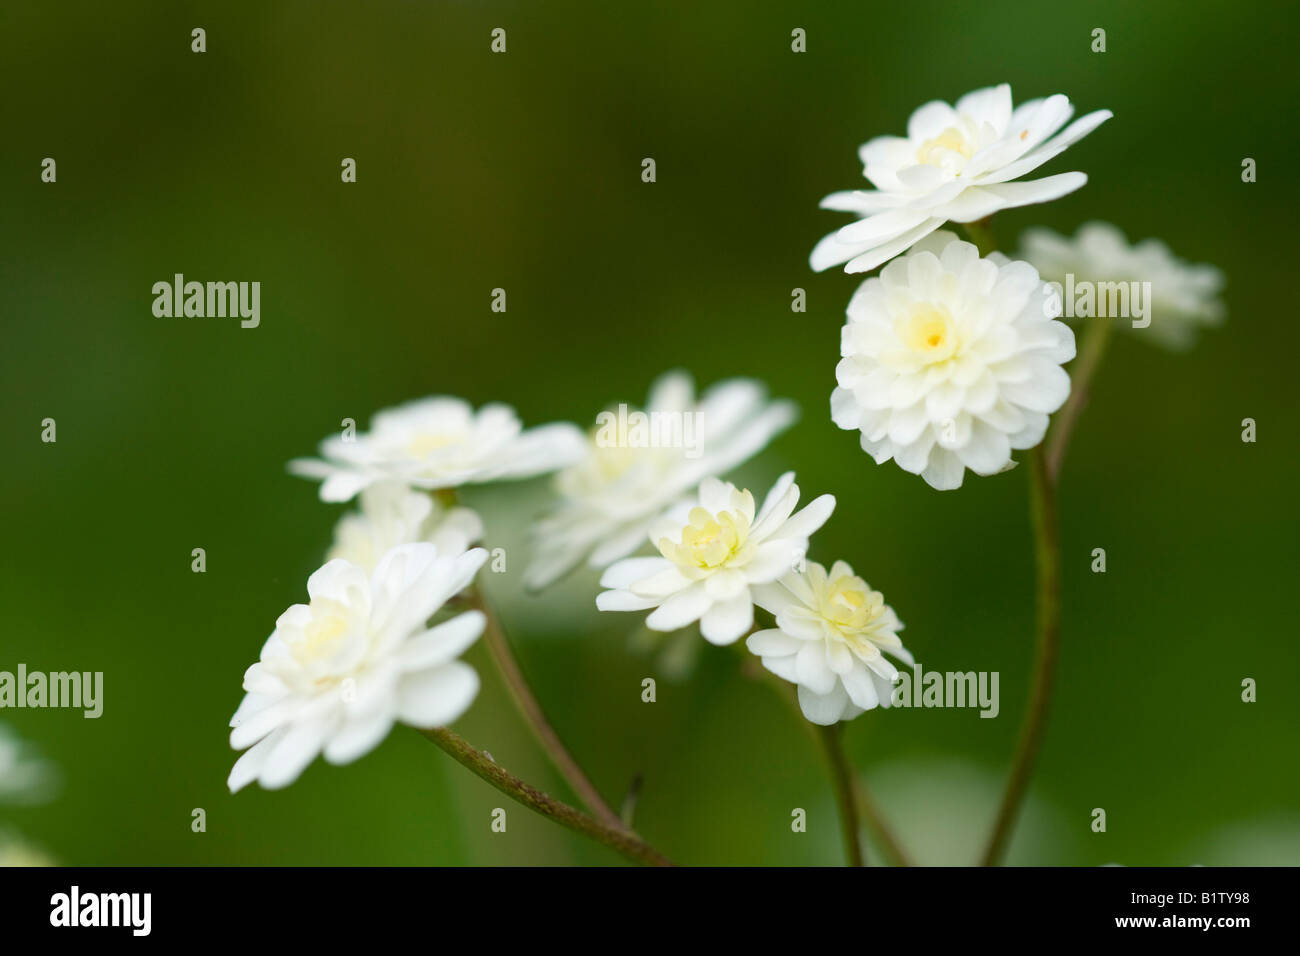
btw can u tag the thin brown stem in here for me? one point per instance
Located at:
(618, 838)
(531, 710)
(881, 830)
(1096, 335)
(844, 783)
(870, 812)
(1047, 550)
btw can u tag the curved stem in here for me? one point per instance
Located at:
(1096, 335)
(618, 838)
(1047, 551)
(844, 783)
(880, 829)
(494, 637)
(875, 820)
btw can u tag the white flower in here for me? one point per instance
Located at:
(955, 164)
(25, 776)
(610, 498)
(951, 361)
(1184, 297)
(393, 514)
(337, 673)
(831, 630)
(439, 442)
(712, 554)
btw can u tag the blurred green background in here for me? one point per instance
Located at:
(522, 171)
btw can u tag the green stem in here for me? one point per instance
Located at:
(531, 710)
(1096, 335)
(843, 782)
(619, 838)
(1047, 551)
(893, 850)
(875, 820)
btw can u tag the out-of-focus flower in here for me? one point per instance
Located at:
(713, 553)
(393, 514)
(957, 163)
(1184, 298)
(831, 635)
(16, 851)
(641, 463)
(25, 776)
(951, 361)
(439, 442)
(337, 673)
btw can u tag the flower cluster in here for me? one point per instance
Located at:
(719, 558)
(951, 360)
(377, 643)
(607, 500)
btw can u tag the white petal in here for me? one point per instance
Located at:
(803, 523)
(668, 580)
(944, 471)
(623, 601)
(814, 671)
(823, 709)
(436, 697)
(783, 667)
(773, 642)
(987, 451)
(359, 736)
(1050, 149)
(1037, 190)
(881, 227)
(631, 570)
(775, 558)
(683, 608)
(860, 688)
(726, 622)
(293, 752)
(829, 251)
(868, 259)
(251, 761)
(726, 583)
(444, 642)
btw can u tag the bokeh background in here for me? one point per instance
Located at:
(522, 171)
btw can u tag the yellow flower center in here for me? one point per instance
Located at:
(425, 443)
(611, 461)
(930, 333)
(951, 139)
(849, 604)
(708, 540)
(320, 639)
